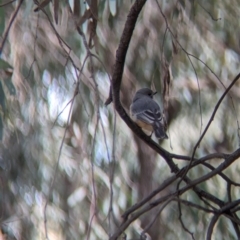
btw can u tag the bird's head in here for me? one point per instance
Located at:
(145, 92)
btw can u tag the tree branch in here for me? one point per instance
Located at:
(211, 226)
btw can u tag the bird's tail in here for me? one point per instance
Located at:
(159, 131)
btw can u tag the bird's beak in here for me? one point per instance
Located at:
(154, 93)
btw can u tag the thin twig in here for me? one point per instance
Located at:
(214, 19)
(211, 226)
(213, 115)
(136, 206)
(199, 207)
(111, 176)
(156, 215)
(5, 4)
(56, 168)
(5, 35)
(181, 221)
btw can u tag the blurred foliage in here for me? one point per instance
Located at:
(98, 162)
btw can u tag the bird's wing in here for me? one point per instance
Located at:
(147, 111)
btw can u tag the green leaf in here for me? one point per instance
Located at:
(2, 97)
(4, 65)
(10, 86)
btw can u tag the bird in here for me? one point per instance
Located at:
(147, 113)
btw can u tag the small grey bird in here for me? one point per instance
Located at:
(147, 113)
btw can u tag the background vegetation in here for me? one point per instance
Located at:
(70, 166)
